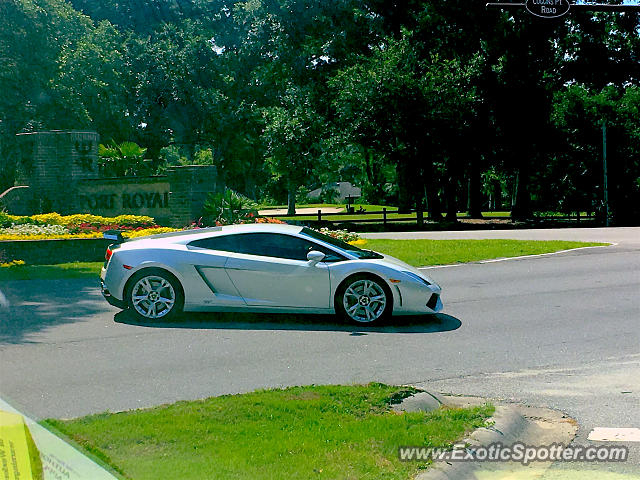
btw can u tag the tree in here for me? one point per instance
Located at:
(92, 81)
(407, 110)
(291, 137)
(31, 37)
(576, 178)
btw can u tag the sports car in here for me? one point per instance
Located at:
(261, 268)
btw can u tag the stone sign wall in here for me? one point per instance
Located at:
(114, 196)
(61, 170)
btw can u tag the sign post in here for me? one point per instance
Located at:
(604, 170)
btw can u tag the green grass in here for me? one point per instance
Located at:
(444, 252)
(294, 433)
(51, 272)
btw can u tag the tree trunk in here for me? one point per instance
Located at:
(405, 193)
(521, 209)
(375, 190)
(475, 195)
(452, 205)
(291, 200)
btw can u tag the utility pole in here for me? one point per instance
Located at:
(604, 170)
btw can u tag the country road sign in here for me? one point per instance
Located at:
(559, 8)
(19, 459)
(49, 457)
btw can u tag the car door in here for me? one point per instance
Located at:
(213, 285)
(271, 269)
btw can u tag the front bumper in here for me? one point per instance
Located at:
(110, 298)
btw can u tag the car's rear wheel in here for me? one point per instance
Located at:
(364, 299)
(154, 294)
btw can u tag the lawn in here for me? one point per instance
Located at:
(51, 272)
(294, 433)
(419, 253)
(422, 253)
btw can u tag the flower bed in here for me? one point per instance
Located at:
(81, 226)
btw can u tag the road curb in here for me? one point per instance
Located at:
(509, 424)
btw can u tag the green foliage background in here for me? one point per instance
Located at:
(441, 105)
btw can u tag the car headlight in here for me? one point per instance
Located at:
(417, 278)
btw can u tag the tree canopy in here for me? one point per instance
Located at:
(439, 105)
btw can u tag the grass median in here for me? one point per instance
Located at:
(423, 253)
(419, 253)
(337, 431)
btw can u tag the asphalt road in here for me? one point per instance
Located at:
(559, 331)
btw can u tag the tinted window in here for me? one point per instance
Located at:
(352, 249)
(225, 243)
(266, 244)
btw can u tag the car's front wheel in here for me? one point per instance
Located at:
(364, 299)
(154, 294)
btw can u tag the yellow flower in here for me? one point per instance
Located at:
(12, 263)
(359, 243)
(148, 231)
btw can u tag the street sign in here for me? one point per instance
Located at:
(559, 8)
(548, 8)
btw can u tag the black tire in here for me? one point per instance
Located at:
(164, 295)
(364, 300)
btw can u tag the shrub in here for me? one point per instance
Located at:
(228, 207)
(5, 221)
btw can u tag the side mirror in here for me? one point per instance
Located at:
(315, 256)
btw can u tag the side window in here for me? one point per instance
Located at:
(278, 245)
(225, 243)
(266, 245)
(293, 248)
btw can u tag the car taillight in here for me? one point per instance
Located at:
(110, 249)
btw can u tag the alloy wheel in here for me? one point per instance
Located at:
(153, 296)
(364, 301)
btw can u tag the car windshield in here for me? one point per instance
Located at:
(352, 249)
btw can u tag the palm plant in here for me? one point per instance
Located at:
(228, 207)
(121, 160)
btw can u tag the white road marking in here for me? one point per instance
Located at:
(602, 434)
(494, 260)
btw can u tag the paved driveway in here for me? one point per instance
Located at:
(621, 235)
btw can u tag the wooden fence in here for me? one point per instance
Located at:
(384, 217)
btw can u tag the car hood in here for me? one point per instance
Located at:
(400, 265)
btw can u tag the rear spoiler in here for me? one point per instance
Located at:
(115, 235)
